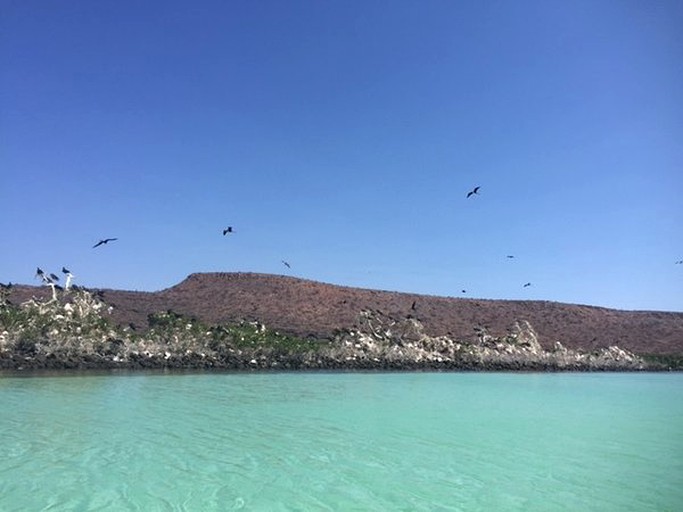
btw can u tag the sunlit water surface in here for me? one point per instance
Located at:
(342, 441)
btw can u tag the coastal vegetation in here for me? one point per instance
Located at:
(76, 331)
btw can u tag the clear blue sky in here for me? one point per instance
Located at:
(342, 137)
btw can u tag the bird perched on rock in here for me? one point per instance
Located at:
(69, 277)
(49, 281)
(475, 190)
(46, 279)
(104, 241)
(227, 230)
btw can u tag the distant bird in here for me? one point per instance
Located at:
(464, 291)
(509, 256)
(227, 230)
(54, 277)
(414, 306)
(475, 190)
(66, 270)
(104, 241)
(286, 264)
(526, 285)
(679, 262)
(39, 272)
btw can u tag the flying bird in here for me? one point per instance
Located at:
(227, 230)
(66, 270)
(509, 256)
(286, 264)
(679, 262)
(526, 285)
(104, 241)
(475, 190)
(39, 272)
(54, 277)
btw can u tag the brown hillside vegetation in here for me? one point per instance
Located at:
(312, 309)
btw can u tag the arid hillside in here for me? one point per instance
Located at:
(311, 309)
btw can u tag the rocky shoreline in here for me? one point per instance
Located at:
(74, 334)
(292, 363)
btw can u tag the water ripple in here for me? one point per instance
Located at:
(447, 442)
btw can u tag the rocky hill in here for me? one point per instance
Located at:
(316, 310)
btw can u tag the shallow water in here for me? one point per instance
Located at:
(342, 441)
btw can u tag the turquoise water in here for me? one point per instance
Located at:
(342, 441)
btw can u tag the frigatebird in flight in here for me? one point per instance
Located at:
(509, 256)
(104, 241)
(54, 278)
(526, 285)
(227, 230)
(286, 264)
(475, 190)
(679, 262)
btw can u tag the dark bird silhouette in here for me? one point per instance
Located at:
(510, 256)
(54, 277)
(527, 285)
(286, 264)
(679, 262)
(39, 272)
(464, 291)
(414, 306)
(66, 270)
(475, 190)
(227, 230)
(104, 241)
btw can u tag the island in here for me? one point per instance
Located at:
(258, 322)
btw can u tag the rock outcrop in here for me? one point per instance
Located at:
(382, 341)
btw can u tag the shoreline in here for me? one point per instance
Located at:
(16, 363)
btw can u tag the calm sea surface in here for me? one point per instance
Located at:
(342, 441)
